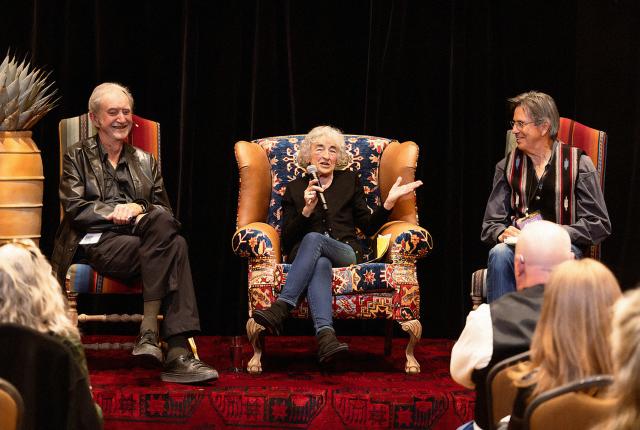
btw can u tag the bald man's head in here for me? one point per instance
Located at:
(541, 246)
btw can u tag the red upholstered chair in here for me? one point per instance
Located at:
(386, 289)
(81, 278)
(591, 141)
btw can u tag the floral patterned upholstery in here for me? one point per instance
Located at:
(387, 288)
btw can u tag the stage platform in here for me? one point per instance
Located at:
(366, 390)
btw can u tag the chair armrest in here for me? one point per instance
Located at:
(408, 241)
(256, 240)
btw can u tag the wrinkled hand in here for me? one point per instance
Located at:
(125, 213)
(511, 231)
(398, 191)
(311, 197)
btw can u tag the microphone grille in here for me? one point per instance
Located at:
(311, 169)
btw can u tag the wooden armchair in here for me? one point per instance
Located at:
(387, 289)
(571, 406)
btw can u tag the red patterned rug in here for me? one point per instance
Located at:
(365, 391)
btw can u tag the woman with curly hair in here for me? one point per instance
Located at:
(320, 215)
(625, 347)
(30, 296)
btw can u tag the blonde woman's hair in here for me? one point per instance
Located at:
(625, 344)
(29, 294)
(571, 340)
(317, 133)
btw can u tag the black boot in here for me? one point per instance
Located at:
(272, 318)
(328, 345)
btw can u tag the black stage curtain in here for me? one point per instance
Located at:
(437, 72)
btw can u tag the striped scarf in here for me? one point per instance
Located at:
(562, 175)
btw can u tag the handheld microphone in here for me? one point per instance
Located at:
(312, 170)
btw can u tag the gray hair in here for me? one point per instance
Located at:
(328, 132)
(101, 90)
(29, 293)
(541, 108)
(626, 361)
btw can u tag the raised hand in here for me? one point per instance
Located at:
(398, 191)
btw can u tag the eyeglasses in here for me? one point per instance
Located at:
(520, 124)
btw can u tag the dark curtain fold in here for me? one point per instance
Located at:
(436, 72)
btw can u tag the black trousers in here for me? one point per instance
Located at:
(154, 251)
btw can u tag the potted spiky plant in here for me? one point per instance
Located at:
(25, 97)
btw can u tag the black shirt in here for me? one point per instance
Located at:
(118, 183)
(346, 210)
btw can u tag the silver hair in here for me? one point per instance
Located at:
(101, 90)
(541, 108)
(626, 362)
(328, 132)
(29, 293)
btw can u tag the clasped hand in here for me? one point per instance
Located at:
(510, 231)
(124, 213)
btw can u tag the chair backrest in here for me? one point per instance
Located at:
(569, 408)
(11, 406)
(500, 390)
(267, 165)
(54, 388)
(590, 140)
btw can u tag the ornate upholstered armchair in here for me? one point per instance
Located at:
(591, 141)
(386, 289)
(81, 278)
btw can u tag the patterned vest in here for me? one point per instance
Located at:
(553, 195)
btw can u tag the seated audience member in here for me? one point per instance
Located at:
(319, 234)
(504, 328)
(31, 297)
(114, 190)
(525, 188)
(571, 341)
(625, 350)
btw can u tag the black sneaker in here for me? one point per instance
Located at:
(186, 369)
(147, 345)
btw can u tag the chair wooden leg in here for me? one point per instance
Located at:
(72, 302)
(414, 328)
(388, 337)
(253, 333)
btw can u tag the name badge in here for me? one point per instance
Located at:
(532, 217)
(90, 238)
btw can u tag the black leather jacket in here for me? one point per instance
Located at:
(82, 189)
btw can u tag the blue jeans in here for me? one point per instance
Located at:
(501, 278)
(311, 272)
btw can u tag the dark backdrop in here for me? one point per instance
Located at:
(437, 72)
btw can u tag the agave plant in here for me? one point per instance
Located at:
(25, 96)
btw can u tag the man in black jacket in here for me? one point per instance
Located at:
(118, 217)
(505, 327)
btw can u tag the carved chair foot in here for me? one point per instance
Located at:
(414, 328)
(254, 330)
